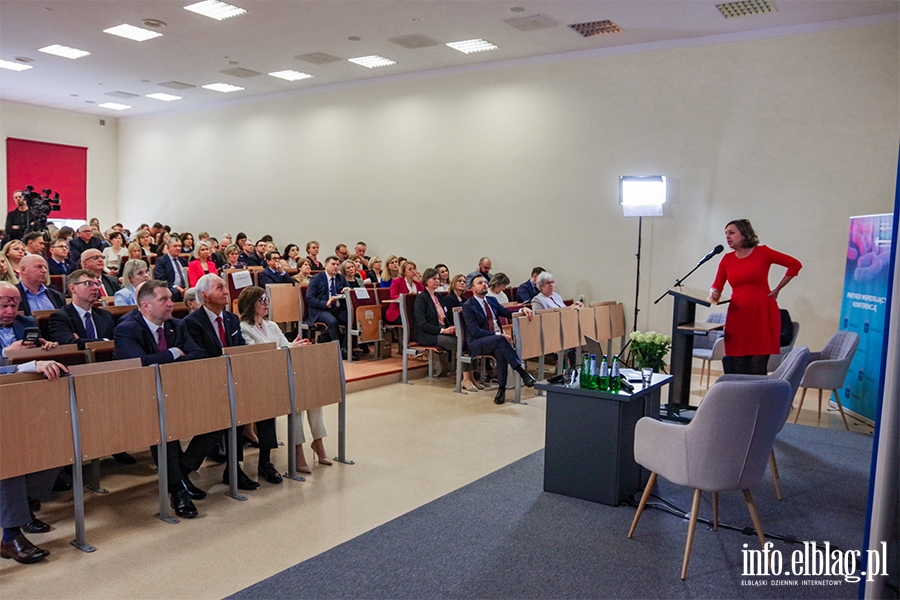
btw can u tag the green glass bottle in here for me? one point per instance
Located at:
(593, 372)
(603, 375)
(584, 381)
(614, 380)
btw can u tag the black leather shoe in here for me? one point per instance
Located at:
(500, 398)
(123, 458)
(271, 474)
(193, 491)
(23, 551)
(182, 504)
(527, 379)
(244, 481)
(63, 483)
(36, 526)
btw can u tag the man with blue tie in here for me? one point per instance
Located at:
(35, 295)
(274, 272)
(324, 300)
(170, 268)
(59, 263)
(485, 336)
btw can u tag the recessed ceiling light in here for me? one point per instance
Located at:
(222, 87)
(291, 75)
(138, 34)
(64, 51)
(114, 106)
(215, 9)
(14, 66)
(373, 61)
(164, 97)
(155, 23)
(470, 46)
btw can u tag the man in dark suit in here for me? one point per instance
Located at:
(485, 336)
(92, 260)
(249, 257)
(59, 263)
(213, 328)
(274, 272)
(323, 298)
(15, 513)
(151, 334)
(83, 240)
(529, 289)
(34, 294)
(79, 322)
(170, 268)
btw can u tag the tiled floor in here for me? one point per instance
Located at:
(410, 443)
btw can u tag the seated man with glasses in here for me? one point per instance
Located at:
(79, 322)
(59, 263)
(274, 272)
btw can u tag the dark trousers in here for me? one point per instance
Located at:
(14, 493)
(746, 365)
(180, 463)
(334, 318)
(265, 431)
(503, 353)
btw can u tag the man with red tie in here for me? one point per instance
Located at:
(151, 334)
(485, 336)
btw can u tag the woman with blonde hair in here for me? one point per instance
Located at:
(202, 263)
(14, 251)
(6, 273)
(134, 273)
(390, 272)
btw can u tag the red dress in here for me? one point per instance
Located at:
(753, 323)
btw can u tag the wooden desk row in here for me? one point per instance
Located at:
(111, 407)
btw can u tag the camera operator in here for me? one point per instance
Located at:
(19, 219)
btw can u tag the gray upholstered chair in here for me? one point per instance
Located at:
(791, 370)
(724, 447)
(775, 359)
(827, 370)
(705, 345)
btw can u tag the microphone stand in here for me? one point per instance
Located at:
(679, 281)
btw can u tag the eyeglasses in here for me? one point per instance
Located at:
(7, 302)
(263, 300)
(89, 283)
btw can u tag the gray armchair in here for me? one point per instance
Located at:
(706, 348)
(725, 446)
(827, 370)
(791, 370)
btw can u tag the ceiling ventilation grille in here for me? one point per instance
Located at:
(746, 8)
(596, 28)
(176, 85)
(124, 95)
(531, 23)
(318, 58)
(414, 41)
(240, 72)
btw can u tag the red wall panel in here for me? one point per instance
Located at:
(61, 168)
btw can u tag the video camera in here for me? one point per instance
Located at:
(40, 206)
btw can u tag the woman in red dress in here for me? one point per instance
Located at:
(753, 323)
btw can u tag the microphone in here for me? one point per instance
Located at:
(717, 250)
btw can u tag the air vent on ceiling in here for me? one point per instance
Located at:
(746, 8)
(121, 95)
(176, 85)
(318, 58)
(414, 41)
(531, 23)
(240, 72)
(596, 28)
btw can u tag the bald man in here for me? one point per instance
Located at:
(34, 294)
(92, 260)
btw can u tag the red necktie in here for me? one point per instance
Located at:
(222, 337)
(161, 340)
(489, 314)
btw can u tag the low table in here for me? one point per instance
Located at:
(589, 445)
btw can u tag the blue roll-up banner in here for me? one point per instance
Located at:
(863, 308)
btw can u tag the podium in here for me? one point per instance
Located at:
(684, 328)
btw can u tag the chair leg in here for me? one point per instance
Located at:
(695, 508)
(774, 468)
(755, 518)
(637, 516)
(802, 396)
(819, 419)
(841, 408)
(715, 503)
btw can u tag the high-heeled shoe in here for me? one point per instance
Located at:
(302, 467)
(318, 447)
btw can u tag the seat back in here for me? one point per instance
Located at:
(528, 336)
(569, 325)
(706, 342)
(196, 397)
(776, 359)
(604, 329)
(550, 330)
(318, 375)
(828, 369)
(841, 346)
(728, 442)
(792, 367)
(284, 303)
(587, 324)
(406, 303)
(261, 387)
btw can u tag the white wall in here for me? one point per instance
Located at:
(25, 121)
(521, 163)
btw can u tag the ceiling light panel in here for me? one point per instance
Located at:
(291, 75)
(114, 106)
(470, 46)
(372, 61)
(14, 66)
(215, 9)
(164, 97)
(222, 87)
(138, 34)
(64, 51)
(746, 8)
(593, 28)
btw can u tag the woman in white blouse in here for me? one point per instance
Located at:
(113, 254)
(548, 298)
(253, 306)
(497, 288)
